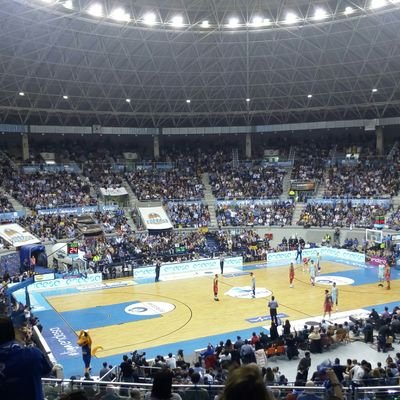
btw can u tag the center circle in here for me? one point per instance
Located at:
(149, 308)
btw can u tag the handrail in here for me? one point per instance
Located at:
(317, 388)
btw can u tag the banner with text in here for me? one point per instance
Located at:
(211, 264)
(155, 218)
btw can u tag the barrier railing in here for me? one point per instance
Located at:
(53, 388)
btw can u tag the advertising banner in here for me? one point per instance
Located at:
(211, 264)
(375, 260)
(155, 218)
(16, 235)
(65, 283)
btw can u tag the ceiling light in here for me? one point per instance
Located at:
(320, 13)
(233, 22)
(65, 97)
(149, 18)
(374, 90)
(257, 21)
(377, 3)
(291, 18)
(348, 10)
(188, 101)
(68, 4)
(205, 24)
(177, 21)
(309, 96)
(248, 100)
(128, 100)
(119, 14)
(21, 93)
(96, 10)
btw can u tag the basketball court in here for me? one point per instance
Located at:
(180, 312)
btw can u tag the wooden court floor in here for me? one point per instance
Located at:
(197, 315)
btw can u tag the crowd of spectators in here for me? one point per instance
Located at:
(248, 243)
(188, 215)
(363, 179)
(246, 181)
(50, 228)
(41, 190)
(278, 213)
(393, 220)
(166, 184)
(341, 214)
(5, 205)
(309, 162)
(101, 174)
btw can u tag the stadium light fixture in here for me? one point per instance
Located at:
(128, 100)
(21, 93)
(205, 24)
(96, 10)
(309, 96)
(374, 90)
(65, 97)
(291, 18)
(320, 14)
(149, 18)
(233, 22)
(188, 101)
(119, 14)
(177, 21)
(248, 100)
(348, 10)
(377, 4)
(257, 21)
(68, 4)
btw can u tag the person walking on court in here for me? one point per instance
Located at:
(253, 285)
(387, 276)
(299, 252)
(221, 263)
(312, 270)
(335, 296)
(273, 310)
(158, 267)
(327, 304)
(215, 287)
(291, 274)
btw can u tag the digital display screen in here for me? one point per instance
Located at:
(72, 249)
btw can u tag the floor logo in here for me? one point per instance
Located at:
(149, 308)
(246, 292)
(328, 280)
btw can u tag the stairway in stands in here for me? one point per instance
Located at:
(209, 199)
(212, 243)
(297, 212)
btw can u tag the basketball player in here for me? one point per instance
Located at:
(215, 287)
(318, 263)
(327, 304)
(253, 285)
(312, 273)
(387, 276)
(335, 295)
(305, 264)
(291, 274)
(381, 274)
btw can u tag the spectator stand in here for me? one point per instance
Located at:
(254, 212)
(360, 213)
(247, 180)
(164, 181)
(193, 214)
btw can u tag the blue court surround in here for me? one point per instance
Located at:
(100, 316)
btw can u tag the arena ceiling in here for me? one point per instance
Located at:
(60, 64)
